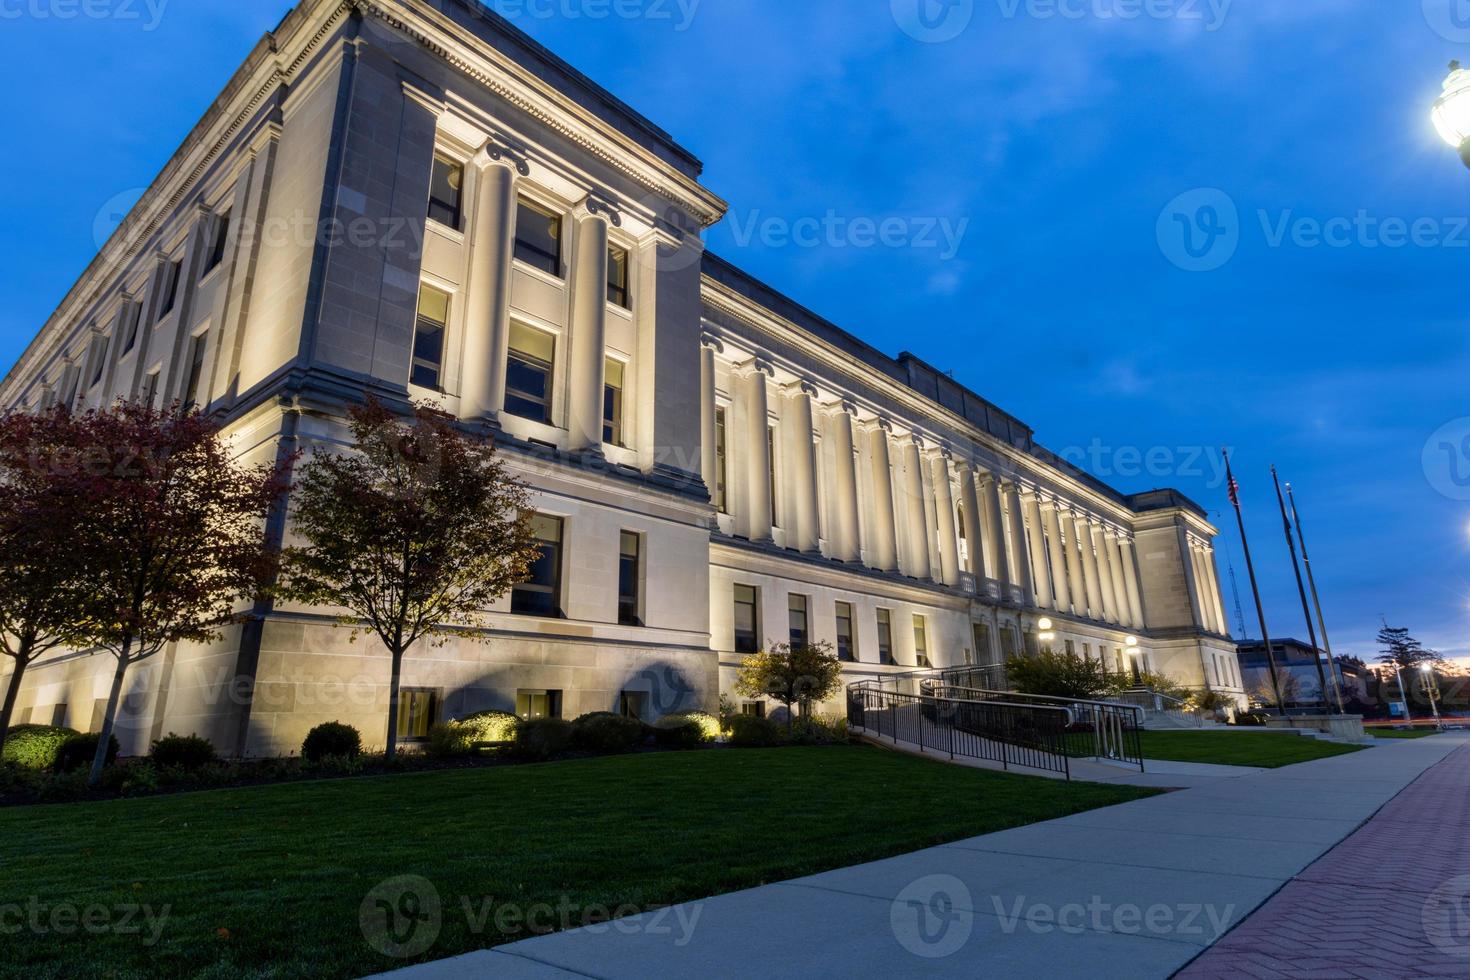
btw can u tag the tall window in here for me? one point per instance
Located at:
(846, 642)
(99, 360)
(538, 704)
(921, 642)
(981, 634)
(885, 636)
(446, 192)
(150, 390)
(747, 619)
(796, 606)
(196, 370)
(722, 503)
(528, 373)
(771, 475)
(538, 237)
(612, 403)
(217, 243)
(130, 326)
(540, 594)
(170, 286)
(416, 709)
(963, 537)
(630, 571)
(428, 338)
(617, 277)
(1007, 643)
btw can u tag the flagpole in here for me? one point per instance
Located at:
(1250, 568)
(1316, 600)
(1302, 591)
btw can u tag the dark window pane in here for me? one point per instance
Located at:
(428, 340)
(629, 572)
(528, 374)
(196, 371)
(217, 244)
(445, 192)
(747, 623)
(617, 277)
(170, 287)
(796, 607)
(612, 403)
(885, 637)
(538, 238)
(846, 650)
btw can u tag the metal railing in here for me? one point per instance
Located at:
(1159, 703)
(1021, 735)
(1095, 729)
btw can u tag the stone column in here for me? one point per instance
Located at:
(913, 507)
(588, 326)
(708, 461)
(1212, 575)
(757, 450)
(487, 292)
(1120, 590)
(1076, 582)
(974, 539)
(949, 547)
(1202, 610)
(1020, 563)
(884, 551)
(1045, 596)
(1061, 592)
(1130, 581)
(806, 528)
(1089, 568)
(996, 561)
(846, 538)
(1105, 573)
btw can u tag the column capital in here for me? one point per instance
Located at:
(801, 386)
(593, 206)
(842, 406)
(711, 342)
(919, 441)
(493, 153)
(878, 423)
(754, 366)
(942, 451)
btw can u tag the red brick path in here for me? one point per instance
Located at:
(1389, 902)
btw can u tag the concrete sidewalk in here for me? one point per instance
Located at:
(1137, 890)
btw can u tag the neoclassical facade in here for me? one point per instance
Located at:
(412, 199)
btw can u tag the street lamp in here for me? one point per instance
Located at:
(1430, 683)
(1403, 694)
(1452, 111)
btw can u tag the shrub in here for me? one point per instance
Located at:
(819, 730)
(607, 733)
(1058, 675)
(1251, 719)
(456, 738)
(187, 752)
(78, 750)
(751, 732)
(686, 730)
(792, 675)
(34, 746)
(543, 738)
(332, 740)
(141, 777)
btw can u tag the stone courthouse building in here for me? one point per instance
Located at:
(411, 198)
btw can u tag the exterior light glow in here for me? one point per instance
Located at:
(1044, 623)
(1451, 113)
(1131, 643)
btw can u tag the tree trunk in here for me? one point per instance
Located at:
(393, 704)
(12, 694)
(109, 718)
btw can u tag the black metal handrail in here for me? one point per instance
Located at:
(1096, 729)
(1023, 735)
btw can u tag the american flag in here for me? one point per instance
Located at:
(1234, 487)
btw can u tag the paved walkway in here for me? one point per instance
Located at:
(1137, 890)
(1391, 901)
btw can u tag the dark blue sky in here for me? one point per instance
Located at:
(1052, 140)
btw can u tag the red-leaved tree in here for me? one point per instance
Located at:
(170, 531)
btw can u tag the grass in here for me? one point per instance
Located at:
(269, 881)
(1402, 732)
(1266, 750)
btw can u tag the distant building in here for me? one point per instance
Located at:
(1298, 662)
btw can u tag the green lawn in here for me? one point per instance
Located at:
(1402, 733)
(1267, 750)
(269, 881)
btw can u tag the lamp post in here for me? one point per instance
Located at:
(1403, 695)
(1451, 113)
(1430, 684)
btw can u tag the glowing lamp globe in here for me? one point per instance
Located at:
(1452, 111)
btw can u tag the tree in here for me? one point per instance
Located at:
(171, 532)
(1263, 694)
(40, 578)
(791, 675)
(415, 533)
(1058, 675)
(1400, 649)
